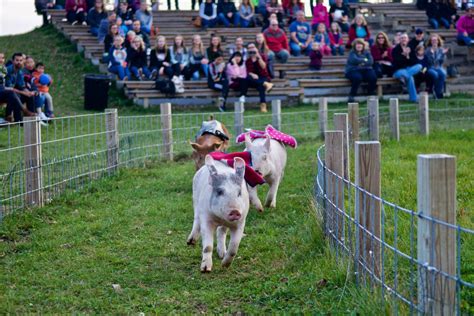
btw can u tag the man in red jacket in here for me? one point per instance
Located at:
(277, 41)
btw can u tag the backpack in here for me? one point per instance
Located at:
(178, 84)
(166, 87)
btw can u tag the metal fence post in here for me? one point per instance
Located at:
(353, 109)
(276, 114)
(436, 196)
(239, 108)
(34, 180)
(423, 107)
(112, 136)
(167, 130)
(323, 116)
(334, 160)
(394, 119)
(373, 112)
(368, 209)
(341, 124)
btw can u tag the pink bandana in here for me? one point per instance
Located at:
(272, 132)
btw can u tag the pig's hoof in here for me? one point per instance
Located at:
(226, 263)
(271, 204)
(191, 241)
(206, 268)
(221, 253)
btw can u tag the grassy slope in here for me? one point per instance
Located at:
(131, 230)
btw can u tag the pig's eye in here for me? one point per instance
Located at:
(240, 193)
(220, 192)
(264, 157)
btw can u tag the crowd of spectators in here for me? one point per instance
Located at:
(125, 33)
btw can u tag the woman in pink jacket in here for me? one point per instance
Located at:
(237, 75)
(320, 15)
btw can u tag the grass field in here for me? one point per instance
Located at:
(131, 230)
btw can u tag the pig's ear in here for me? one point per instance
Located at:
(267, 144)
(195, 146)
(209, 161)
(239, 166)
(248, 141)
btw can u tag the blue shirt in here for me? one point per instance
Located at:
(14, 79)
(302, 29)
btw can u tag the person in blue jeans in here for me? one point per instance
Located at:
(434, 11)
(435, 55)
(227, 13)
(137, 59)
(118, 59)
(359, 68)
(95, 16)
(208, 14)
(405, 66)
(300, 35)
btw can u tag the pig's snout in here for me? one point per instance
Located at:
(234, 215)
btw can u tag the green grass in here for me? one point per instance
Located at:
(131, 230)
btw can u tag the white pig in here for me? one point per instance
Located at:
(269, 159)
(221, 201)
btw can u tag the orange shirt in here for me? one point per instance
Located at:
(41, 88)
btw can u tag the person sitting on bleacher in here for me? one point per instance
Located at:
(179, 57)
(137, 28)
(95, 16)
(122, 29)
(104, 26)
(266, 24)
(137, 59)
(315, 57)
(129, 39)
(359, 29)
(436, 54)
(214, 49)
(322, 38)
(109, 38)
(405, 66)
(339, 13)
(320, 15)
(294, 6)
(43, 82)
(198, 63)
(277, 41)
(237, 75)
(239, 47)
(160, 59)
(300, 35)
(247, 14)
(417, 40)
(208, 14)
(217, 79)
(118, 59)
(134, 5)
(15, 79)
(359, 68)
(126, 14)
(227, 13)
(257, 74)
(273, 7)
(435, 14)
(423, 75)
(382, 54)
(145, 17)
(263, 49)
(465, 27)
(335, 38)
(76, 11)
(260, 7)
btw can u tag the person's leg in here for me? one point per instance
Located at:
(145, 29)
(222, 19)
(465, 39)
(205, 23)
(445, 23)
(146, 72)
(439, 82)
(236, 19)
(243, 86)
(14, 105)
(295, 49)
(411, 88)
(205, 69)
(283, 55)
(81, 17)
(371, 78)
(244, 22)
(71, 17)
(378, 70)
(355, 77)
(48, 105)
(341, 50)
(168, 2)
(333, 50)
(434, 23)
(121, 72)
(176, 4)
(413, 70)
(134, 71)
(95, 31)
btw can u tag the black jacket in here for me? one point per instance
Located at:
(401, 61)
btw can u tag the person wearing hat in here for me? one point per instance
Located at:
(418, 39)
(465, 27)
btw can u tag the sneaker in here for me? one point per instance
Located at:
(268, 86)
(43, 123)
(221, 104)
(84, 23)
(154, 74)
(242, 99)
(74, 23)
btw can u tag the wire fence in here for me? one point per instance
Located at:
(38, 163)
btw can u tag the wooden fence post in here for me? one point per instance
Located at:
(34, 179)
(276, 114)
(423, 107)
(334, 161)
(341, 124)
(394, 119)
(239, 109)
(436, 195)
(373, 112)
(323, 116)
(112, 137)
(353, 109)
(167, 130)
(368, 209)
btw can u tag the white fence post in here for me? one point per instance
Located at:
(112, 136)
(341, 124)
(34, 179)
(323, 116)
(394, 119)
(353, 109)
(373, 112)
(436, 195)
(368, 209)
(167, 130)
(423, 107)
(239, 109)
(276, 114)
(334, 160)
